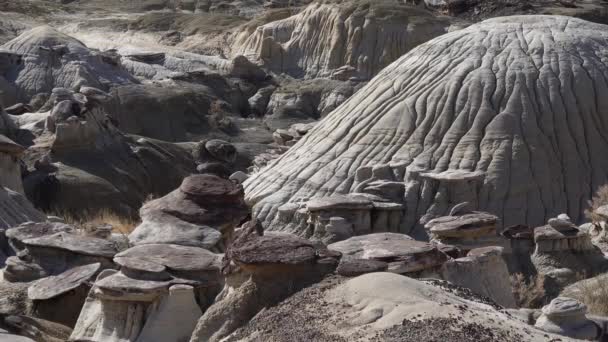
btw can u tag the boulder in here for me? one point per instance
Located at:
(566, 316)
(468, 231)
(261, 270)
(202, 211)
(400, 253)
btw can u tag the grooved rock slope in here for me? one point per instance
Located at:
(508, 115)
(351, 39)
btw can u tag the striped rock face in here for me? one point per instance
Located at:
(508, 115)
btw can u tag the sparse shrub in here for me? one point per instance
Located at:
(529, 292)
(599, 199)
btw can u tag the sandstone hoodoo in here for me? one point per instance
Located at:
(303, 170)
(509, 107)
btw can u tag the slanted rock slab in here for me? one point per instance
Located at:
(54, 286)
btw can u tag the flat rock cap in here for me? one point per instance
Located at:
(564, 306)
(212, 187)
(51, 287)
(155, 257)
(78, 244)
(455, 226)
(273, 248)
(31, 230)
(339, 202)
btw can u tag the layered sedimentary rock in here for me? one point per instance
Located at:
(48, 59)
(16, 209)
(347, 40)
(158, 295)
(399, 253)
(505, 115)
(79, 146)
(202, 212)
(10, 168)
(261, 270)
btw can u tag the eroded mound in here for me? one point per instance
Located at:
(506, 115)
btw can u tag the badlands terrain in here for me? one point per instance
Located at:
(299, 170)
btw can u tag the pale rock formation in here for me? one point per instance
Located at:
(566, 316)
(158, 295)
(10, 168)
(202, 212)
(563, 252)
(339, 40)
(467, 232)
(51, 59)
(454, 120)
(306, 100)
(485, 272)
(261, 270)
(399, 253)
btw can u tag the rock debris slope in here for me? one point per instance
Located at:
(507, 115)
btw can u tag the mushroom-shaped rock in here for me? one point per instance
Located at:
(261, 270)
(485, 272)
(67, 290)
(61, 251)
(202, 210)
(160, 292)
(566, 316)
(431, 112)
(561, 254)
(466, 231)
(339, 217)
(399, 252)
(30, 230)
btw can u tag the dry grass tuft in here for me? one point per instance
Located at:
(599, 199)
(529, 293)
(120, 224)
(593, 293)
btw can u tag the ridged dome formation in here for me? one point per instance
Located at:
(508, 115)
